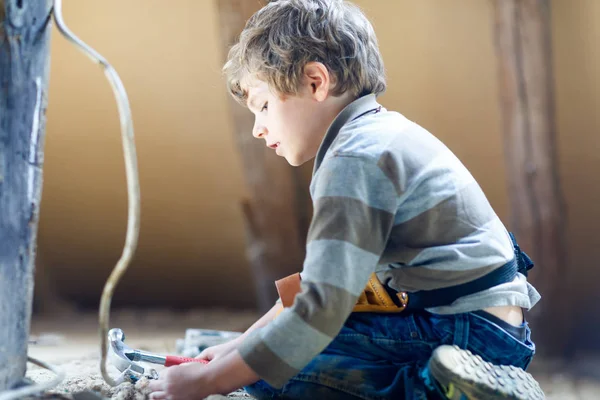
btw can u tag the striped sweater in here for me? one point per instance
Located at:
(392, 199)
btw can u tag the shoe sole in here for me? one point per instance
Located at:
(459, 369)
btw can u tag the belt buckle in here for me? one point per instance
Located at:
(403, 299)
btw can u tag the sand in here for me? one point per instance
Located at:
(71, 343)
(83, 375)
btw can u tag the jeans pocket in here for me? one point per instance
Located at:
(498, 345)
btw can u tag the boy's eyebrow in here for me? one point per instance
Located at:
(251, 102)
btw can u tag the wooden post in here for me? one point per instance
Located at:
(536, 204)
(24, 62)
(272, 210)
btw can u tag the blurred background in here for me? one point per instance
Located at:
(442, 71)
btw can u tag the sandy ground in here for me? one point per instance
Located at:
(71, 342)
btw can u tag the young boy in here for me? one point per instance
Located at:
(411, 288)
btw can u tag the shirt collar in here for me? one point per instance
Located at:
(356, 109)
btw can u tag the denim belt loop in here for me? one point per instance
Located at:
(461, 330)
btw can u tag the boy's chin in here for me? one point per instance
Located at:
(295, 161)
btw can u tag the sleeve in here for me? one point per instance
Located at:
(354, 208)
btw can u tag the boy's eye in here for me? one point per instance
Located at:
(264, 107)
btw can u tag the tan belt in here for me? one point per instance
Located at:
(374, 297)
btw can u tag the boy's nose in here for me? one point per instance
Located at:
(259, 131)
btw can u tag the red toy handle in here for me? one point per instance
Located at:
(176, 360)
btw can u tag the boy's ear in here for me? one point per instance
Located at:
(318, 79)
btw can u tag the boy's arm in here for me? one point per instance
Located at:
(222, 375)
(264, 320)
(354, 207)
(218, 351)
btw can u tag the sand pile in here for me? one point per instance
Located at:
(74, 346)
(84, 375)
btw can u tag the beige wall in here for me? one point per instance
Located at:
(576, 40)
(442, 73)
(192, 238)
(440, 61)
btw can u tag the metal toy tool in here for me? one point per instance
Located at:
(126, 359)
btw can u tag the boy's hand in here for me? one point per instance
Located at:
(197, 381)
(218, 351)
(183, 381)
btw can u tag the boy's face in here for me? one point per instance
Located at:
(292, 125)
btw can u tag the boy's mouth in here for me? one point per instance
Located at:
(274, 145)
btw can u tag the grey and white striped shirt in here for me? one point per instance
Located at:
(388, 198)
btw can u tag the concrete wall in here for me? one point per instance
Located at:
(442, 73)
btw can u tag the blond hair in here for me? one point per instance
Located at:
(285, 35)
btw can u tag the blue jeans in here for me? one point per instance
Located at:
(384, 356)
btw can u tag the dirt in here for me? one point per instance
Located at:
(84, 376)
(71, 343)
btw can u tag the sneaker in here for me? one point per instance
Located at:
(462, 375)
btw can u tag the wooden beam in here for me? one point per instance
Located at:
(536, 204)
(272, 209)
(24, 64)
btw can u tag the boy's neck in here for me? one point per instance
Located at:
(341, 102)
